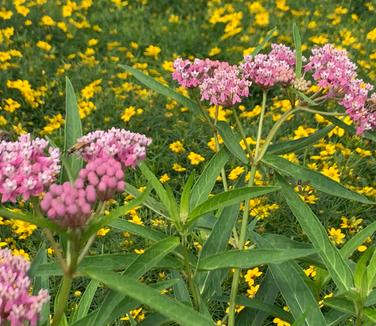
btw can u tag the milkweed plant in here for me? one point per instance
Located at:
(69, 194)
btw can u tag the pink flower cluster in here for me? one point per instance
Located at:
(27, 167)
(224, 87)
(192, 74)
(333, 69)
(126, 147)
(359, 106)
(219, 82)
(17, 306)
(106, 154)
(268, 70)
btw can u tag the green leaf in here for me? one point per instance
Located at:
(356, 240)
(180, 289)
(340, 304)
(231, 141)
(157, 185)
(251, 258)
(291, 280)
(371, 271)
(176, 311)
(149, 202)
(360, 273)
(282, 242)
(350, 129)
(298, 50)
(267, 38)
(85, 302)
(166, 198)
(206, 181)
(151, 257)
(304, 97)
(371, 299)
(370, 313)
(185, 198)
(229, 198)
(40, 282)
(114, 214)
(72, 129)
(123, 307)
(334, 317)
(142, 231)
(261, 306)
(267, 293)
(298, 144)
(336, 265)
(106, 261)
(27, 217)
(154, 319)
(217, 242)
(143, 263)
(316, 179)
(163, 90)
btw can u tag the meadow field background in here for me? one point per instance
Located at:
(42, 41)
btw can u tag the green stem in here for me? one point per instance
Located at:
(63, 294)
(242, 133)
(243, 229)
(272, 133)
(62, 299)
(56, 248)
(303, 108)
(188, 272)
(223, 173)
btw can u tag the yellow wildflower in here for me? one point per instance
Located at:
(195, 158)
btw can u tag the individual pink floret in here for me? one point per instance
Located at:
(17, 305)
(27, 167)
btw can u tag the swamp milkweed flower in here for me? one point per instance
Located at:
(25, 168)
(268, 70)
(333, 69)
(17, 306)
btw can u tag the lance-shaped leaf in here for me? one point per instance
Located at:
(291, 280)
(350, 129)
(85, 302)
(72, 128)
(316, 179)
(217, 241)
(27, 217)
(251, 258)
(206, 181)
(231, 141)
(336, 265)
(229, 198)
(298, 50)
(298, 144)
(150, 258)
(176, 311)
(356, 240)
(265, 40)
(151, 83)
